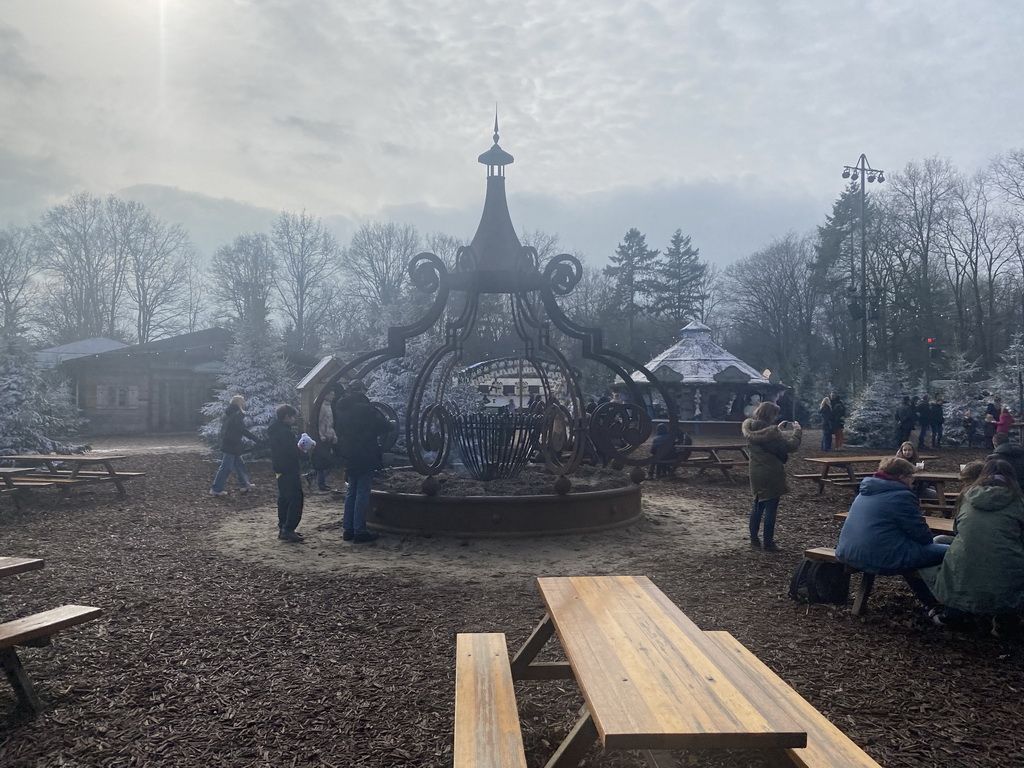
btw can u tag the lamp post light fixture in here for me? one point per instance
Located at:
(862, 172)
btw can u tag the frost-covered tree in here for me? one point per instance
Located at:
(961, 394)
(256, 370)
(37, 414)
(1005, 380)
(871, 422)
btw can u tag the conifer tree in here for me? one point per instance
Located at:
(871, 422)
(632, 270)
(258, 371)
(1005, 379)
(961, 394)
(37, 413)
(676, 291)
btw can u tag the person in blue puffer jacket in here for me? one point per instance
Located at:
(885, 532)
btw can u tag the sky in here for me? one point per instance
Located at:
(729, 119)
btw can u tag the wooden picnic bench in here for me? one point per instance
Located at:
(33, 631)
(46, 469)
(705, 457)
(846, 474)
(651, 681)
(867, 580)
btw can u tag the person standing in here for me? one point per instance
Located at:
(924, 419)
(322, 454)
(904, 421)
(838, 421)
(769, 446)
(827, 423)
(286, 459)
(938, 419)
(1005, 421)
(232, 431)
(361, 427)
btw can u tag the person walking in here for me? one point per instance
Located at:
(769, 446)
(361, 427)
(827, 423)
(286, 461)
(838, 421)
(232, 432)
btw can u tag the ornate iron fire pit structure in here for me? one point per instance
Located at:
(496, 263)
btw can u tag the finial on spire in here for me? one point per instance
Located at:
(495, 122)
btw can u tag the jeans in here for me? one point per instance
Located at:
(921, 435)
(764, 508)
(228, 462)
(826, 439)
(289, 501)
(357, 500)
(936, 435)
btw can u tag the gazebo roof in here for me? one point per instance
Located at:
(696, 359)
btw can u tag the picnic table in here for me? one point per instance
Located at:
(82, 469)
(704, 457)
(33, 631)
(651, 679)
(846, 474)
(942, 502)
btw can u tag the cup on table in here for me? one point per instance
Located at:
(920, 465)
(962, 467)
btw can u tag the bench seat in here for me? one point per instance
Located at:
(36, 630)
(487, 732)
(867, 580)
(827, 746)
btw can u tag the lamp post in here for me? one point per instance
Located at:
(860, 172)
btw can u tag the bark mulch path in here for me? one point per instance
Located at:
(214, 656)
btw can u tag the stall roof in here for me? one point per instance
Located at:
(696, 359)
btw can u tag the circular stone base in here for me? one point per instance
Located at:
(504, 515)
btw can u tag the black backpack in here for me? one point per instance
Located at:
(819, 581)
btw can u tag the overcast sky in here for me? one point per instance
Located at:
(729, 119)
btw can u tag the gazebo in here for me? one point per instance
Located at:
(711, 385)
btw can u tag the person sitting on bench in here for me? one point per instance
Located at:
(983, 572)
(661, 439)
(885, 533)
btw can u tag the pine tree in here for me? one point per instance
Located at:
(632, 270)
(37, 413)
(871, 422)
(1005, 380)
(676, 291)
(961, 394)
(256, 370)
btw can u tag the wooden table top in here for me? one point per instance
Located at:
(647, 672)
(936, 477)
(16, 470)
(840, 460)
(935, 524)
(10, 566)
(728, 447)
(44, 457)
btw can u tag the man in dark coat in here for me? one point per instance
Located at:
(286, 461)
(904, 421)
(360, 428)
(938, 419)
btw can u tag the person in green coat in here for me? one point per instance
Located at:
(983, 571)
(769, 446)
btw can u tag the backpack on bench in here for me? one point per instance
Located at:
(819, 581)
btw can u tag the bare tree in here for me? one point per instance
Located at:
(242, 275)
(18, 267)
(307, 262)
(78, 300)
(376, 262)
(157, 284)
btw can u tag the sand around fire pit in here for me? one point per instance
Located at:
(686, 526)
